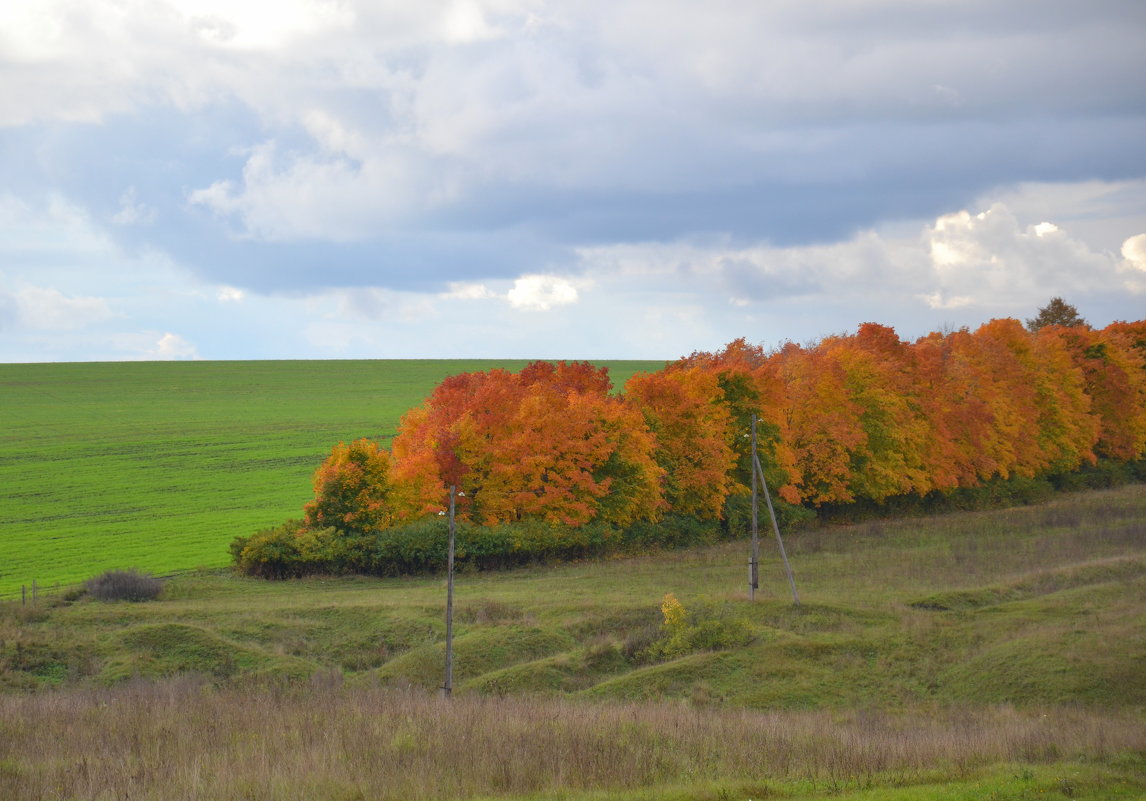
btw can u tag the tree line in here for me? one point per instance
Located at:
(857, 418)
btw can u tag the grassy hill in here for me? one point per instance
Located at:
(1029, 605)
(159, 465)
(976, 655)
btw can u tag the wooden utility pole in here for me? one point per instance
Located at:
(758, 472)
(754, 559)
(448, 686)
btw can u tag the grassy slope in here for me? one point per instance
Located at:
(1032, 605)
(158, 465)
(977, 655)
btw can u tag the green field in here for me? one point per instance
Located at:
(979, 655)
(159, 465)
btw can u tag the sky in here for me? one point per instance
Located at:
(314, 179)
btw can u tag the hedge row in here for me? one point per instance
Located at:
(293, 550)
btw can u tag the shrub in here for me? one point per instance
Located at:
(292, 550)
(709, 627)
(124, 585)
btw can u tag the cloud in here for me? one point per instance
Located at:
(1134, 251)
(9, 310)
(463, 290)
(590, 123)
(230, 294)
(48, 309)
(993, 259)
(541, 292)
(172, 347)
(363, 169)
(131, 211)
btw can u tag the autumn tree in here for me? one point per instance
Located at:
(1115, 384)
(823, 421)
(1056, 312)
(548, 443)
(750, 384)
(1042, 412)
(353, 490)
(961, 404)
(693, 429)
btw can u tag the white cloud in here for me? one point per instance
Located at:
(463, 290)
(230, 294)
(541, 292)
(48, 309)
(286, 196)
(465, 22)
(993, 259)
(172, 347)
(1134, 251)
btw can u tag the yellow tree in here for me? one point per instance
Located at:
(353, 490)
(693, 431)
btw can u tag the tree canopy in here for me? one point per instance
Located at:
(1056, 312)
(865, 416)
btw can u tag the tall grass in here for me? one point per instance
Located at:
(181, 739)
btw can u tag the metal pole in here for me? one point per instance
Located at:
(448, 687)
(776, 528)
(754, 561)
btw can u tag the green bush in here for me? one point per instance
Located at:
(292, 550)
(707, 627)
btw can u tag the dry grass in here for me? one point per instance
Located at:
(183, 739)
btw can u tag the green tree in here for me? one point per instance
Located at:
(1057, 312)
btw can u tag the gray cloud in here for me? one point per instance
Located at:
(409, 147)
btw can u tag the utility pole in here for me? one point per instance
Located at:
(758, 472)
(754, 560)
(448, 687)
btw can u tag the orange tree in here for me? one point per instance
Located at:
(548, 443)
(1115, 383)
(693, 431)
(823, 421)
(750, 383)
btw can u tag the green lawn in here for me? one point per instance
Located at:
(159, 465)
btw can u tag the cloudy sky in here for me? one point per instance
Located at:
(226, 179)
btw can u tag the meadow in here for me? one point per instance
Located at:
(159, 465)
(975, 655)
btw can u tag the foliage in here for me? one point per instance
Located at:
(1056, 312)
(293, 550)
(694, 431)
(548, 443)
(554, 466)
(419, 546)
(711, 627)
(353, 490)
(124, 585)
